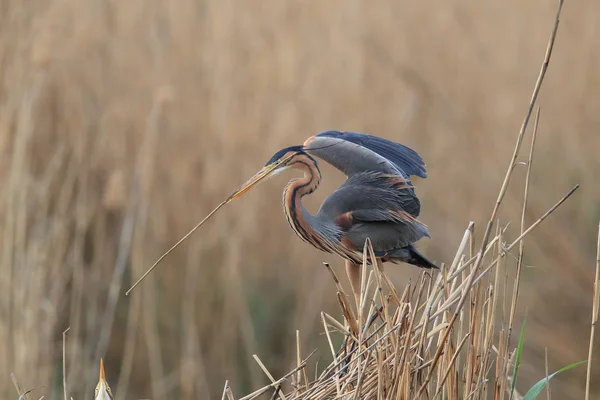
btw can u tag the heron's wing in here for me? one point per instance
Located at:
(387, 229)
(379, 206)
(372, 191)
(352, 153)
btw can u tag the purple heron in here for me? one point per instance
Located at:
(377, 201)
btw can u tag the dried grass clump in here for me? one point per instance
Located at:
(420, 341)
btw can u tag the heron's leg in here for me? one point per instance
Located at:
(353, 271)
(379, 261)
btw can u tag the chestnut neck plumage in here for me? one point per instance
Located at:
(308, 227)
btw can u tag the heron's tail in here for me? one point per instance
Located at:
(409, 255)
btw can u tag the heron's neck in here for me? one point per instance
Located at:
(306, 225)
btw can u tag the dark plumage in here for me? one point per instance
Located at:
(377, 201)
(381, 207)
(408, 161)
(279, 155)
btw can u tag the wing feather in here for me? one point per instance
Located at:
(371, 190)
(380, 206)
(387, 229)
(352, 152)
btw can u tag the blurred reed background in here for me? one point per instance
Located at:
(122, 123)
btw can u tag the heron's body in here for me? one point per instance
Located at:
(377, 201)
(346, 218)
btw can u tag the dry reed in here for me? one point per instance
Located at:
(391, 342)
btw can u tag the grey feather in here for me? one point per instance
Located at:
(369, 190)
(377, 210)
(386, 236)
(353, 152)
(407, 254)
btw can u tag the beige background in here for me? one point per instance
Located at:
(195, 96)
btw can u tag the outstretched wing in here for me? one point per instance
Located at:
(353, 153)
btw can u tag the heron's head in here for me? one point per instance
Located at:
(102, 389)
(280, 161)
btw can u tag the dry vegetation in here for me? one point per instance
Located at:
(124, 123)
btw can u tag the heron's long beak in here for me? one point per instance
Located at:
(259, 176)
(102, 376)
